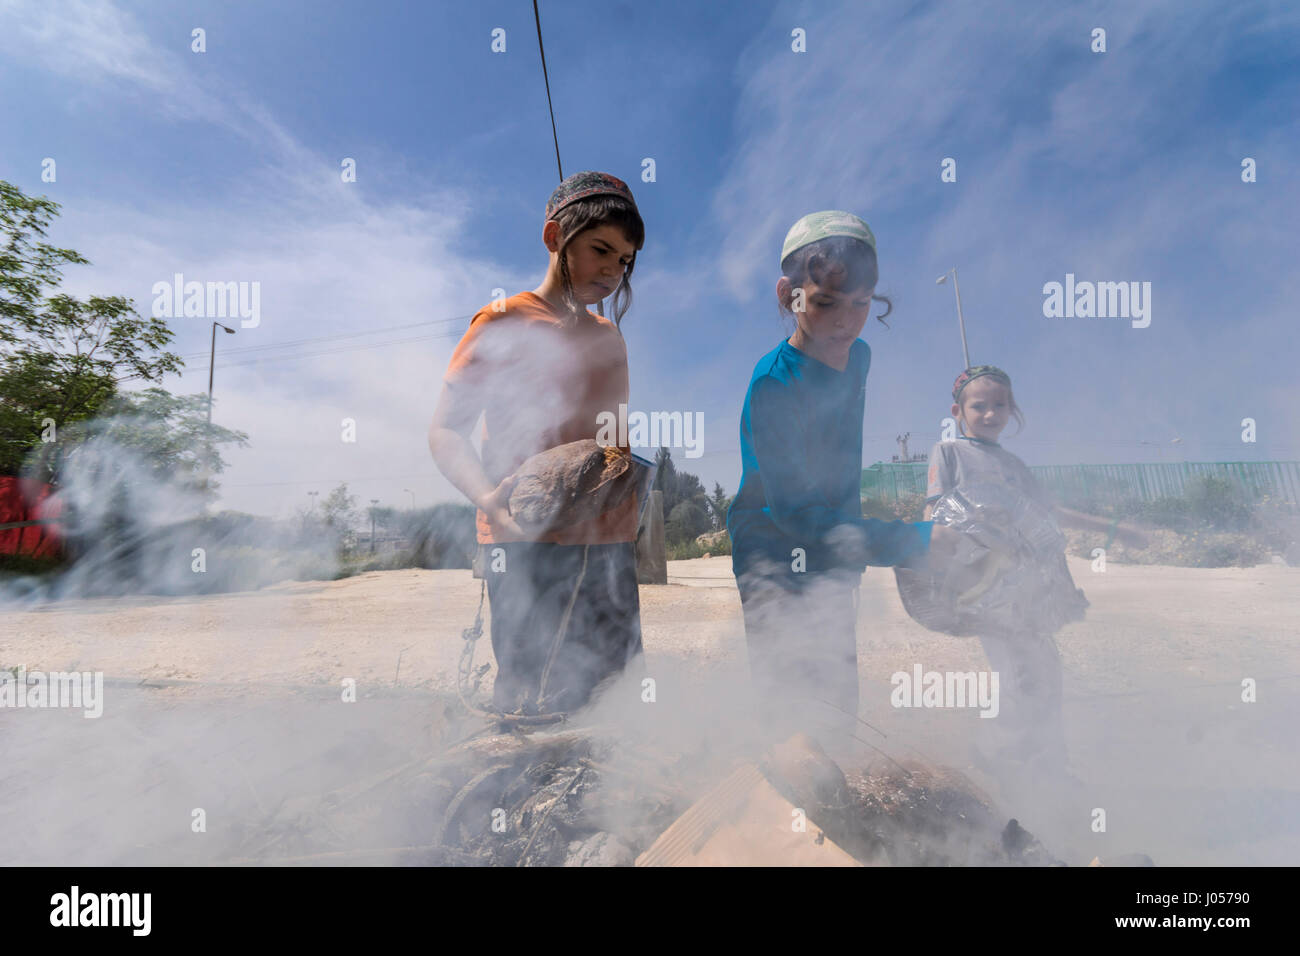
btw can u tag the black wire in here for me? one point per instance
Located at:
(538, 18)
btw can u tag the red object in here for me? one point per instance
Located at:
(25, 500)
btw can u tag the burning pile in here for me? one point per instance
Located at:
(580, 797)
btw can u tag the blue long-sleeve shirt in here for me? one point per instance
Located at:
(801, 448)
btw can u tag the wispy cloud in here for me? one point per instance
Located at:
(1067, 160)
(330, 259)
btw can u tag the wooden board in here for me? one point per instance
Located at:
(743, 821)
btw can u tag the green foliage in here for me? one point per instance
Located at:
(28, 266)
(906, 507)
(1208, 503)
(1218, 503)
(686, 522)
(1192, 549)
(681, 488)
(26, 564)
(339, 509)
(168, 434)
(718, 505)
(61, 358)
(441, 537)
(686, 550)
(1213, 524)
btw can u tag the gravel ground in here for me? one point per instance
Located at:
(1186, 771)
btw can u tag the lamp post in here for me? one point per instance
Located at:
(312, 495)
(212, 358)
(412, 494)
(961, 321)
(373, 502)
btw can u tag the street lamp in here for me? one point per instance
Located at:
(312, 495)
(412, 494)
(373, 502)
(211, 363)
(207, 474)
(961, 322)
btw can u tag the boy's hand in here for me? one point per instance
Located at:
(496, 505)
(943, 547)
(943, 544)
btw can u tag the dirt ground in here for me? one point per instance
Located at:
(1186, 771)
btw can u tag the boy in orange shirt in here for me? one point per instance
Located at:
(539, 368)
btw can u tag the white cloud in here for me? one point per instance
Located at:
(329, 258)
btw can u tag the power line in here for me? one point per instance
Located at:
(327, 338)
(260, 360)
(455, 333)
(537, 17)
(423, 476)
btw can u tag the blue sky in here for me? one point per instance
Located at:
(1115, 166)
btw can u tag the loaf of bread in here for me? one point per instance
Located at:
(570, 484)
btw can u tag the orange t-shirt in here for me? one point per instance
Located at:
(540, 383)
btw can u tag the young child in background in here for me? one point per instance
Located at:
(539, 369)
(1027, 661)
(799, 540)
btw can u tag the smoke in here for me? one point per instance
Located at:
(131, 528)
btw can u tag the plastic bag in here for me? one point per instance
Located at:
(1009, 573)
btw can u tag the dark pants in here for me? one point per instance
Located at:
(803, 653)
(529, 586)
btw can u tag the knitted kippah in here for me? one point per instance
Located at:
(822, 225)
(585, 184)
(978, 371)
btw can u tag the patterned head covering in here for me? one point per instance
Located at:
(822, 225)
(978, 371)
(583, 185)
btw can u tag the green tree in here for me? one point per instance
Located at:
(339, 509)
(168, 433)
(666, 478)
(61, 358)
(718, 505)
(686, 522)
(678, 486)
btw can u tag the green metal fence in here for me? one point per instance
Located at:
(1111, 484)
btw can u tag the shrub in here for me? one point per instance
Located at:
(1194, 549)
(686, 550)
(687, 521)
(441, 537)
(909, 506)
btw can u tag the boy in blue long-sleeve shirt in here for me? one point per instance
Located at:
(799, 540)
